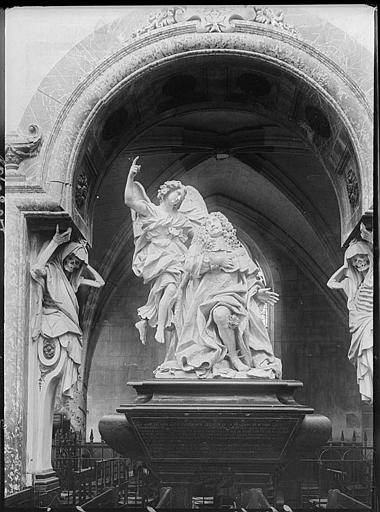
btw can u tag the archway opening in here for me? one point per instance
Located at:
(260, 146)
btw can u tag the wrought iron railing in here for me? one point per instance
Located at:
(82, 481)
(88, 470)
(346, 467)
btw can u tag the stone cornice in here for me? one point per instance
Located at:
(32, 200)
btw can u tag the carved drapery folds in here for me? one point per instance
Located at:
(216, 19)
(20, 146)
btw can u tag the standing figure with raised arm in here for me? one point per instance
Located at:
(58, 272)
(355, 278)
(162, 234)
(56, 334)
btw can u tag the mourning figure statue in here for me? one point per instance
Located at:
(355, 278)
(60, 269)
(58, 273)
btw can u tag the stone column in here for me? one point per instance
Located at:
(15, 348)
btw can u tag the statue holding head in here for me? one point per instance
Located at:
(60, 269)
(58, 273)
(355, 278)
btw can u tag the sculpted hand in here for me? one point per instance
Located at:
(134, 167)
(265, 295)
(228, 263)
(365, 234)
(222, 261)
(61, 238)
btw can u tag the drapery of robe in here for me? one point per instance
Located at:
(57, 309)
(359, 293)
(199, 347)
(159, 256)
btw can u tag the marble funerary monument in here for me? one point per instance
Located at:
(214, 165)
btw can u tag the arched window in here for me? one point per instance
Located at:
(266, 310)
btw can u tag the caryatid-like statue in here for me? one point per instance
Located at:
(58, 274)
(355, 278)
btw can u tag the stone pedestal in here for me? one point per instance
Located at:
(191, 433)
(46, 488)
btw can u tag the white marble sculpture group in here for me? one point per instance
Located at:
(206, 291)
(205, 299)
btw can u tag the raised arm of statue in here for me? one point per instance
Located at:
(336, 280)
(96, 282)
(366, 235)
(44, 256)
(132, 193)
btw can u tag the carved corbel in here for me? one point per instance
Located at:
(19, 146)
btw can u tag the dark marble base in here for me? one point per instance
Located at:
(193, 432)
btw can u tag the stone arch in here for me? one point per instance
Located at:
(67, 105)
(66, 130)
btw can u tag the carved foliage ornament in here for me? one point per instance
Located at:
(81, 190)
(215, 19)
(352, 186)
(20, 146)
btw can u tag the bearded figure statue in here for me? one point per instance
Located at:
(355, 278)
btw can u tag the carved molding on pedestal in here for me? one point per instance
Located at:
(216, 19)
(20, 146)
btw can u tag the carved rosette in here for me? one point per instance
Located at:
(216, 19)
(49, 351)
(19, 146)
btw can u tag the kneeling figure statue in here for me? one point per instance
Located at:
(220, 331)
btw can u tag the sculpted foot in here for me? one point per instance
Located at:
(238, 365)
(142, 327)
(160, 337)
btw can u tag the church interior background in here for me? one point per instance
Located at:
(268, 112)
